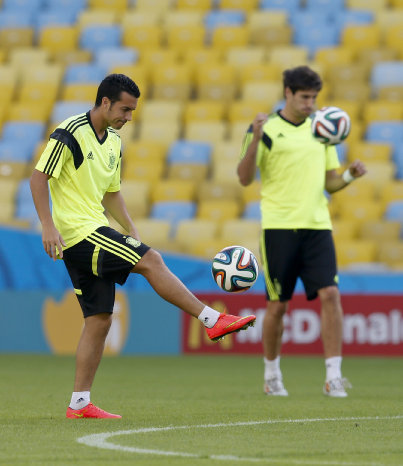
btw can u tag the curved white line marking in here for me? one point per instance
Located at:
(101, 440)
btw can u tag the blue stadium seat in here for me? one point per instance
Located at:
(398, 159)
(109, 57)
(15, 151)
(15, 19)
(189, 152)
(316, 36)
(303, 19)
(24, 205)
(63, 5)
(23, 5)
(252, 211)
(173, 211)
(19, 140)
(218, 18)
(350, 17)
(390, 132)
(289, 5)
(55, 18)
(63, 110)
(95, 37)
(387, 74)
(330, 6)
(85, 73)
(341, 150)
(394, 211)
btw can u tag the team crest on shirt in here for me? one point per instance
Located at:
(133, 242)
(112, 159)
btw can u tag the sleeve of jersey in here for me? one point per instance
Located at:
(53, 158)
(332, 159)
(245, 144)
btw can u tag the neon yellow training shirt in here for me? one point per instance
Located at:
(82, 168)
(293, 167)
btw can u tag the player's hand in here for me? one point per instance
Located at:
(258, 123)
(52, 242)
(357, 169)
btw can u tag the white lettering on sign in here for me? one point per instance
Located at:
(302, 326)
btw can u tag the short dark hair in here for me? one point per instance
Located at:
(113, 85)
(301, 78)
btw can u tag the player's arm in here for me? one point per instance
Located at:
(51, 238)
(336, 181)
(247, 166)
(114, 203)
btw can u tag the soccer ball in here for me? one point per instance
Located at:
(235, 269)
(331, 125)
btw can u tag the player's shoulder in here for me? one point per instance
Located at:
(113, 133)
(74, 122)
(272, 118)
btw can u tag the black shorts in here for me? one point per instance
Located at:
(289, 254)
(99, 261)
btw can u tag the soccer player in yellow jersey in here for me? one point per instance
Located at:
(296, 238)
(81, 165)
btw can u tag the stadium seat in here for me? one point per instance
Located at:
(207, 249)
(153, 5)
(243, 57)
(57, 39)
(84, 73)
(114, 5)
(392, 191)
(142, 37)
(394, 211)
(218, 210)
(161, 110)
(367, 4)
(288, 55)
(244, 5)
(216, 82)
(30, 111)
(356, 91)
(398, 160)
(155, 57)
(344, 230)
(12, 171)
(171, 82)
(335, 56)
(77, 5)
(393, 93)
(369, 151)
(393, 37)
(270, 36)
(144, 150)
(196, 172)
(347, 73)
(189, 152)
(244, 111)
(381, 230)
(252, 211)
(24, 204)
(355, 252)
(79, 92)
(382, 110)
(251, 193)
(63, 110)
(225, 37)
(223, 18)
(49, 73)
(387, 74)
(316, 37)
(329, 6)
(186, 37)
(109, 57)
(97, 36)
(190, 231)
(371, 56)
(173, 190)
(28, 133)
(173, 212)
(147, 170)
(55, 18)
(21, 57)
(16, 37)
(137, 197)
(97, 17)
(204, 110)
(268, 93)
(361, 210)
(200, 57)
(16, 19)
(182, 18)
(351, 17)
(389, 132)
(217, 190)
(260, 73)
(205, 131)
(240, 231)
(155, 232)
(391, 253)
(165, 132)
(288, 5)
(361, 37)
(133, 18)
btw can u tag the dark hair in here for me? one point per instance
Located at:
(113, 85)
(301, 78)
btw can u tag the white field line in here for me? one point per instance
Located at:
(101, 440)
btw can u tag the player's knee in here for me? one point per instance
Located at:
(276, 309)
(329, 294)
(151, 260)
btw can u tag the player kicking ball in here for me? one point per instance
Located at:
(81, 165)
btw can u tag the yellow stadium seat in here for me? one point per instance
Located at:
(380, 173)
(359, 37)
(16, 37)
(79, 91)
(72, 57)
(195, 172)
(197, 5)
(179, 18)
(236, 132)
(344, 230)
(134, 18)
(396, 3)
(334, 56)
(391, 253)
(204, 110)
(206, 131)
(38, 92)
(218, 210)
(265, 19)
(162, 110)
(155, 233)
(349, 73)
(95, 17)
(357, 91)
(356, 252)
(200, 57)
(171, 82)
(266, 92)
(144, 150)
(224, 37)
(155, 57)
(354, 109)
(13, 170)
(376, 5)
(361, 211)
(153, 5)
(190, 231)
(223, 170)
(8, 190)
(165, 132)
(186, 37)
(239, 231)
(368, 57)
(227, 150)
(288, 55)
(369, 151)
(244, 57)
(146, 170)
(246, 5)
(389, 17)
(57, 39)
(392, 191)
(245, 110)
(29, 111)
(207, 249)
(361, 190)
(393, 93)
(173, 190)
(137, 197)
(119, 6)
(260, 72)
(139, 74)
(381, 230)
(251, 192)
(394, 37)
(209, 190)
(382, 110)
(44, 73)
(216, 82)
(3, 55)
(273, 36)
(22, 57)
(142, 37)
(8, 84)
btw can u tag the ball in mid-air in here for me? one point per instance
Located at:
(235, 269)
(331, 125)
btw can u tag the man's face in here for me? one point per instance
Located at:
(120, 112)
(302, 103)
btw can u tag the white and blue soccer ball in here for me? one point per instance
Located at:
(331, 125)
(235, 269)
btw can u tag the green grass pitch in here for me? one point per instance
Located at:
(213, 410)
